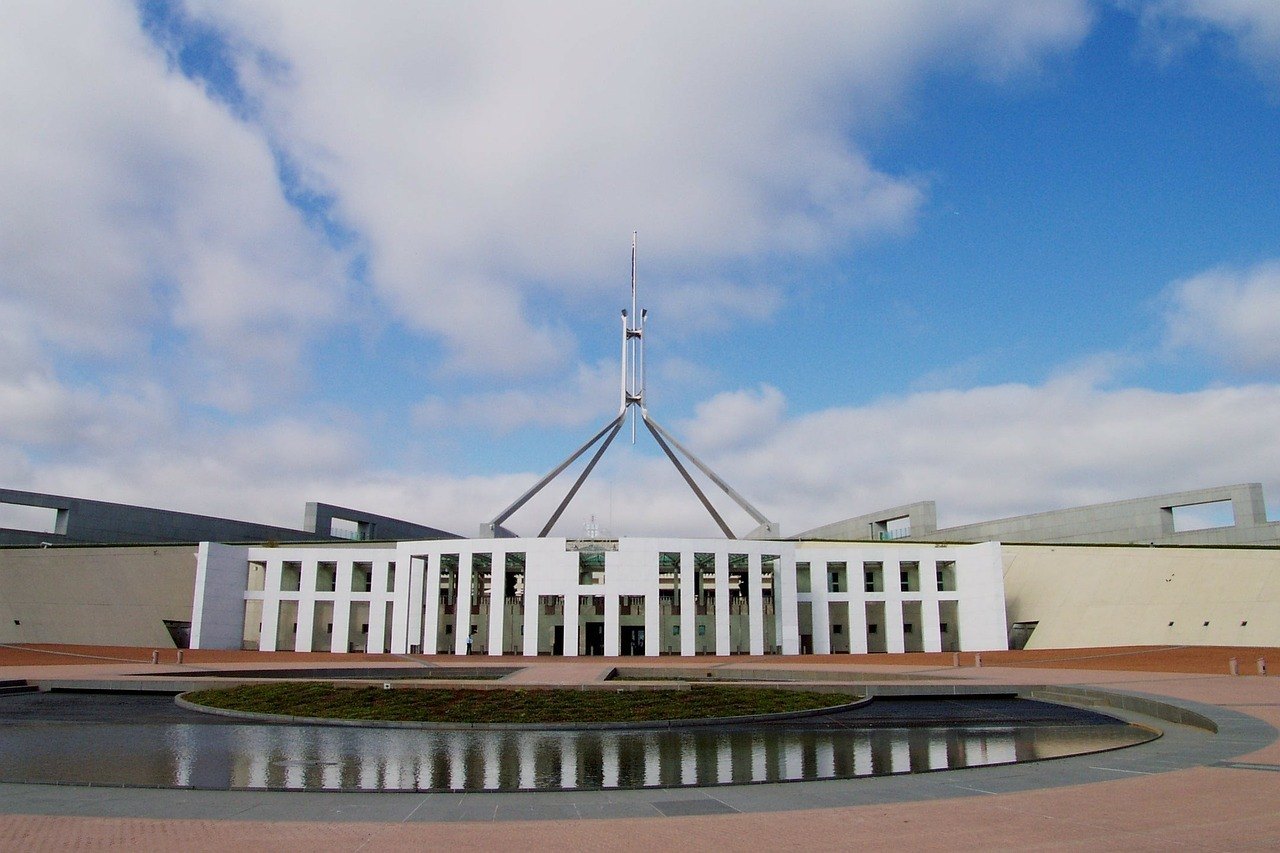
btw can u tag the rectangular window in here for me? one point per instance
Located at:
(946, 575)
(802, 578)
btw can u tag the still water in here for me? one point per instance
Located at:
(334, 758)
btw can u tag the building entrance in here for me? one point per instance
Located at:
(593, 638)
(632, 640)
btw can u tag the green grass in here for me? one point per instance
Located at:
(427, 704)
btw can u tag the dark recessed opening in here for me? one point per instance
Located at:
(1206, 625)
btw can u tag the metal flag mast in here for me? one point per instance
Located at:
(631, 400)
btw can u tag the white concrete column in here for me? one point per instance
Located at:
(413, 611)
(377, 618)
(462, 606)
(612, 642)
(857, 623)
(572, 602)
(532, 609)
(931, 626)
(928, 577)
(270, 613)
(430, 603)
(688, 606)
(341, 607)
(821, 614)
(399, 608)
(497, 588)
(652, 619)
(755, 605)
(306, 615)
(784, 600)
(893, 638)
(722, 603)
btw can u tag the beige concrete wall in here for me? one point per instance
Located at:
(114, 595)
(1119, 595)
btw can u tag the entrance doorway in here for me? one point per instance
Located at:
(593, 638)
(632, 640)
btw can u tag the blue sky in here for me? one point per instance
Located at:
(1008, 256)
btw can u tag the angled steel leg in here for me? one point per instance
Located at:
(494, 527)
(577, 484)
(657, 429)
(688, 479)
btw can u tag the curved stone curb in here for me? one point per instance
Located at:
(259, 716)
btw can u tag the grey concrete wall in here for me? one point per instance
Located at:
(111, 594)
(923, 517)
(217, 613)
(1147, 520)
(83, 521)
(87, 522)
(320, 516)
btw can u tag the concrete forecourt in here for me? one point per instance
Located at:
(1191, 786)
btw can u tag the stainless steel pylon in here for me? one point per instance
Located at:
(631, 400)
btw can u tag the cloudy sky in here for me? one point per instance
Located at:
(1009, 256)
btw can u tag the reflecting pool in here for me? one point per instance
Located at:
(288, 757)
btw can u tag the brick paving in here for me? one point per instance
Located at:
(1208, 807)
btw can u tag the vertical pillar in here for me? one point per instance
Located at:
(857, 623)
(497, 592)
(722, 603)
(572, 602)
(784, 600)
(612, 641)
(341, 606)
(653, 617)
(430, 603)
(931, 627)
(378, 597)
(688, 607)
(821, 612)
(755, 604)
(532, 609)
(270, 607)
(399, 598)
(894, 642)
(411, 604)
(306, 606)
(462, 606)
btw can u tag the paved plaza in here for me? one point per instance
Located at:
(1189, 789)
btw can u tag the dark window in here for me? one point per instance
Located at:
(908, 628)
(837, 629)
(873, 628)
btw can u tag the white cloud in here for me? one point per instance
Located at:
(982, 453)
(487, 154)
(135, 208)
(1253, 26)
(590, 395)
(1233, 315)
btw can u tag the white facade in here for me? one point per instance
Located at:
(645, 596)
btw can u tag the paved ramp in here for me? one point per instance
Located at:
(559, 673)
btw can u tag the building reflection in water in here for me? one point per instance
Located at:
(333, 758)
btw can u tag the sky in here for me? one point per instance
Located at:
(1007, 256)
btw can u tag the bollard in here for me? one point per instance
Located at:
(155, 657)
(179, 655)
(955, 658)
(977, 660)
(1262, 666)
(1233, 666)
